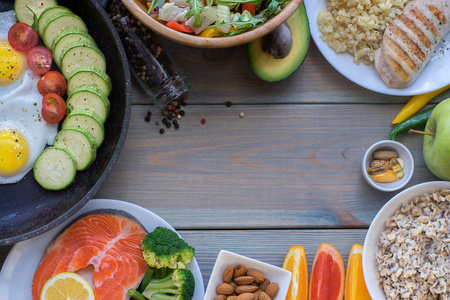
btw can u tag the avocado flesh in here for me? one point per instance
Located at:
(271, 69)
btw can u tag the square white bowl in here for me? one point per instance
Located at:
(225, 258)
(402, 152)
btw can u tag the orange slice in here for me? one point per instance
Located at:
(355, 286)
(327, 274)
(296, 263)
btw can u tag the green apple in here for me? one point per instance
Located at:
(436, 147)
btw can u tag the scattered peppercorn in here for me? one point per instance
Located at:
(168, 124)
(228, 104)
(175, 121)
(147, 118)
(157, 123)
(149, 113)
(176, 126)
(170, 117)
(164, 121)
(161, 131)
(241, 114)
(203, 121)
(181, 112)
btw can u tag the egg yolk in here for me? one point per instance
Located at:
(13, 152)
(12, 63)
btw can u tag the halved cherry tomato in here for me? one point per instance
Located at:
(39, 59)
(22, 37)
(53, 108)
(52, 82)
(179, 27)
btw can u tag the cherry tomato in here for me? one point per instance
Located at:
(22, 37)
(53, 108)
(39, 59)
(52, 82)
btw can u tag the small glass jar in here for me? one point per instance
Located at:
(150, 64)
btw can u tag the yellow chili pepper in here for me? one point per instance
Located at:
(210, 32)
(416, 103)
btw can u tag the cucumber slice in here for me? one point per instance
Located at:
(87, 120)
(47, 14)
(58, 23)
(54, 169)
(79, 143)
(80, 54)
(23, 14)
(89, 98)
(88, 75)
(65, 38)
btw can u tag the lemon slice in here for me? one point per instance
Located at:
(67, 286)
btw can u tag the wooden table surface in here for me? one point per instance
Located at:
(288, 173)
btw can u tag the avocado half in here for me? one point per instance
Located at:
(271, 69)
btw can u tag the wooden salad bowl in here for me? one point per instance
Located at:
(139, 9)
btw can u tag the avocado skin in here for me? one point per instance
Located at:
(270, 69)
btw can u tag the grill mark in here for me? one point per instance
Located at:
(399, 52)
(397, 68)
(410, 24)
(410, 44)
(437, 13)
(424, 20)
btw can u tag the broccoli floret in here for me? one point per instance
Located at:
(163, 248)
(178, 285)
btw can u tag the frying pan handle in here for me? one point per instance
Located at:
(103, 3)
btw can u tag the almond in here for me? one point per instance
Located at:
(246, 296)
(257, 275)
(256, 293)
(264, 296)
(224, 289)
(228, 274)
(220, 297)
(272, 290)
(239, 270)
(242, 289)
(242, 280)
(264, 285)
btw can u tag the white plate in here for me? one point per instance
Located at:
(379, 224)
(19, 267)
(433, 77)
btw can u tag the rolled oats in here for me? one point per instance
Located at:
(413, 252)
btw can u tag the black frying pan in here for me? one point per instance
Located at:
(26, 209)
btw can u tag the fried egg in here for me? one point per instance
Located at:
(23, 132)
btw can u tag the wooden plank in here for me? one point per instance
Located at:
(269, 246)
(220, 75)
(287, 166)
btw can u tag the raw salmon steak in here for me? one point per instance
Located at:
(111, 243)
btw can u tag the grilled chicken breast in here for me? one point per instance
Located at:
(409, 41)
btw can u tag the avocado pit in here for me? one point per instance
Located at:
(278, 43)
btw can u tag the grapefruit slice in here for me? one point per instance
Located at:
(327, 274)
(355, 286)
(296, 263)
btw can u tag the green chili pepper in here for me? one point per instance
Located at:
(413, 122)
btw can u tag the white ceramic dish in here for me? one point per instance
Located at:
(377, 226)
(433, 77)
(18, 270)
(225, 258)
(403, 153)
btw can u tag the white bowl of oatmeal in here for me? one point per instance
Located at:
(407, 247)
